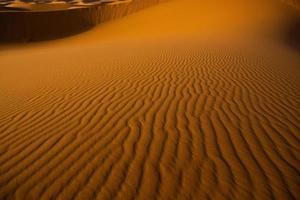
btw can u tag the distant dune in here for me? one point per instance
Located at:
(187, 99)
(294, 3)
(30, 21)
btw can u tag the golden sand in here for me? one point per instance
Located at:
(188, 99)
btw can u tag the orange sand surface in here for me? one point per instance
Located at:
(188, 99)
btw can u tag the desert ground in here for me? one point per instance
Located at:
(186, 99)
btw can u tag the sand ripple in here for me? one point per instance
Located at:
(195, 123)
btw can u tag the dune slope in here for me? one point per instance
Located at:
(31, 21)
(184, 100)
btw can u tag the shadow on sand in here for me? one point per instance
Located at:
(37, 26)
(292, 34)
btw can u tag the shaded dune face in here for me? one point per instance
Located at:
(42, 5)
(292, 35)
(293, 3)
(192, 123)
(25, 21)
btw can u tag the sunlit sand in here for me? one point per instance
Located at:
(184, 99)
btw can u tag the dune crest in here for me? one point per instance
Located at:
(31, 21)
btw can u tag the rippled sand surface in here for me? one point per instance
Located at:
(188, 99)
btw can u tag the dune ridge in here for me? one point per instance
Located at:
(293, 3)
(33, 25)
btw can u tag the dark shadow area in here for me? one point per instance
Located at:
(292, 35)
(291, 32)
(27, 26)
(38, 26)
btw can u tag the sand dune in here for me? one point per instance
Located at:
(293, 3)
(167, 103)
(25, 20)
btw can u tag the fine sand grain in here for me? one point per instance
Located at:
(188, 99)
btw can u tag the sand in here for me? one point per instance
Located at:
(187, 99)
(33, 21)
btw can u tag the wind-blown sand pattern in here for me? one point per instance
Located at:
(177, 101)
